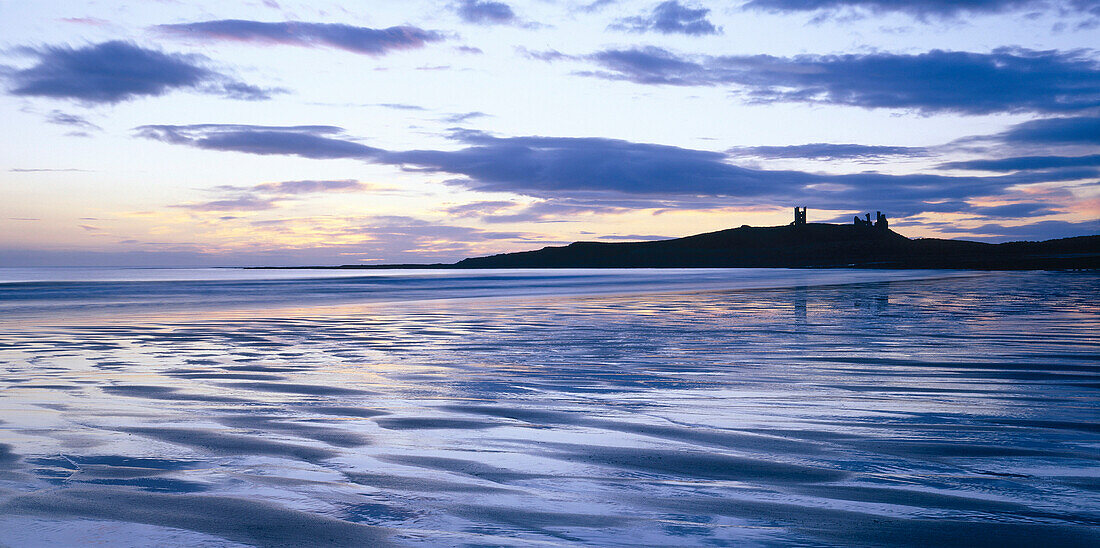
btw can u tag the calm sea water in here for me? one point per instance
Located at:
(527, 408)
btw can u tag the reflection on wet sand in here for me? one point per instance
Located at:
(938, 412)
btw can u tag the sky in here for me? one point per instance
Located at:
(275, 132)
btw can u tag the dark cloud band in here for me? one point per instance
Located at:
(924, 8)
(1005, 80)
(361, 40)
(112, 72)
(602, 171)
(317, 142)
(1026, 163)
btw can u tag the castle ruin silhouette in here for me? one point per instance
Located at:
(799, 216)
(880, 221)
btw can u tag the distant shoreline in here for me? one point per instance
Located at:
(813, 245)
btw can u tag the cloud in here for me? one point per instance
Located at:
(670, 17)
(46, 170)
(1023, 209)
(548, 55)
(547, 167)
(1034, 145)
(1022, 163)
(310, 187)
(1005, 80)
(65, 119)
(612, 173)
(1042, 230)
(401, 106)
(90, 21)
(116, 71)
(560, 209)
(317, 142)
(266, 196)
(464, 117)
(923, 9)
(362, 40)
(479, 209)
(424, 231)
(827, 151)
(634, 237)
(241, 203)
(344, 240)
(1083, 130)
(596, 5)
(486, 12)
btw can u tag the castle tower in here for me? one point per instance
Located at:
(799, 216)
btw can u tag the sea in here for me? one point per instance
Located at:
(571, 407)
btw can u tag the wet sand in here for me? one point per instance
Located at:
(947, 412)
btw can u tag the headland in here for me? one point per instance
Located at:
(863, 244)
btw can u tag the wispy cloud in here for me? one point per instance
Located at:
(65, 119)
(548, 55)
(464, 117)
(266, 196)
(47, 169)
(240, 203)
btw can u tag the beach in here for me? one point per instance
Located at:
(705, 407)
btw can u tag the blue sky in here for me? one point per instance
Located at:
(279, 132)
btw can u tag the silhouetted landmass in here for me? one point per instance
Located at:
(810, 245)
(814, 245)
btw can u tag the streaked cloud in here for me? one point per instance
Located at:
(310, 187)
(362, 40)
(317, 142)
(116, 71)
(827, 151)
(266, 196)
(47, 170)
(464, 117)
(240, 203)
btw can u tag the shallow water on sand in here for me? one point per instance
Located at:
(920, 411)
